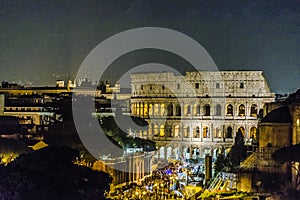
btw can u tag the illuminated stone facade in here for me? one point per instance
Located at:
(199, 113)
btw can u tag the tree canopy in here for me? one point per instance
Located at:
(49, 173)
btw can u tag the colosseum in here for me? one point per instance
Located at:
(198, 114)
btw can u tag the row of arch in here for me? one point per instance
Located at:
(144, 109)
(177, 131)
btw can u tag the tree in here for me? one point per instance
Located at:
(238, 151)
(220, 162)
(49, 173)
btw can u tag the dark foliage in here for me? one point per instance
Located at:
(238, 151)
(49, 173)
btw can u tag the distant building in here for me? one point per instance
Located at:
(197, 114)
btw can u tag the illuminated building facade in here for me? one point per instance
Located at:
(199, 113)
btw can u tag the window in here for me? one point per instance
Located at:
(142, 87)
(206, 110)
(197, 85)
(241, 85)
(163, 87)
(196, 132)
(197, 109)
(253, 110)
(242, 110)
(187, 110)
(176, 131)
(150, 87)
(218, 110)
(217, 133)
(217, 85)
(162, 131)
(229, 132)
(178, 110)
(205, 132)
(155, 130)
(162, 109)
(253, 133)
(186, 132)
(178, 86)
(170, 110)
(229, 110)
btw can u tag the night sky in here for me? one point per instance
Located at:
(41, 42)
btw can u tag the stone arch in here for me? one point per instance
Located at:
(197, 109)
(253, 110)
(241, 110)
(170, 110)
(218, 110)
(253, 132)
(169, 152)
(178, 110)
(162, 109)
(206, 110)
(162, 152)
(155, 130)
(156, 109)
(229, 132)
(186, 132)
(205, 132)
(242, 129)
(162, 131)
(177, 131)
(196, 132)
(229, 110)
(187, 110)
(150, 109)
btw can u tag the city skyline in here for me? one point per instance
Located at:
(45, 41)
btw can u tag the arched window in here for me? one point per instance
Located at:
(253, 133)
(217, 133)
(229, 110)
(218, 110)
(186, 132)
(197, 109)
(155, 130)
(187, 110)
(162, 109)
(205, 132)
(156, 109)
(241, 110)
(253, 110)
(229, 132)
(176, 131)
(178, 110)
(242, 130)
(150, 129)
(196, 132)
(170, 110)
(206, 110)
(162, 131)
(150, 109)
(146, 110)
(142, 109)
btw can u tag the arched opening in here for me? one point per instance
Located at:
(229, 132)
(150, 109)
(196, 132)
(142, 109)
(155, 130)
(253, 133)
(207, 110)
(217, 133)
(169, 152)
(146, 110)
(197, 109)
(150, 129)
(218, 110)
(162, 152)
(229, 110)
(205, 132)
(242, 129)
(170, 110)
(186, 132)
(253, 110)
(162, 109)
(176, 131)
(178, 110)
(156, 109)
(162, 131)
(187, 110)
(241, 111)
